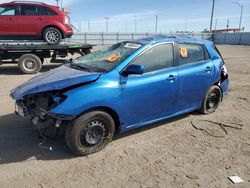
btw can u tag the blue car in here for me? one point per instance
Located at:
(123, 87)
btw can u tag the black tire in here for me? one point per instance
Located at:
(67, 134)
(52, 35)
(212, 100)
(90, 132)
(29, 64)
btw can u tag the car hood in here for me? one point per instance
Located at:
(56, 79)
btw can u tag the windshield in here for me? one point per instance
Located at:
(106, 59)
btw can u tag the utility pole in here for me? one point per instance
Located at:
(88, 26)
(57, 3)
(212, 16)
(135, 24)
(107, 24)
(241, 12)
(227, 23)
(156, 23)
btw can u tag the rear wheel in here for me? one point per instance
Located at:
(90, 133)
(212, 100)
(52, 35)
(29, 64)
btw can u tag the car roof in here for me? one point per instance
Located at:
(154, 39)
(25, 3)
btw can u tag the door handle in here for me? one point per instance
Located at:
(208, 69)
(171, 78)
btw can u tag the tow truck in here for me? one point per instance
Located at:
(30, 56)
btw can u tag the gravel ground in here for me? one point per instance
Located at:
(168, 154)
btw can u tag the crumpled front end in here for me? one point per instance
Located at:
(37, 107)
(38, 96)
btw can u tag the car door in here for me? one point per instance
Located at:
(152, 95)
(8, 20)
(196, 73)
(46, 16)
(28, 20)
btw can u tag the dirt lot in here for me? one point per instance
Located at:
(168, 154)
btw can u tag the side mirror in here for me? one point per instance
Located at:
(134, 69)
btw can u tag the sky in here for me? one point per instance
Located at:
(178, 15)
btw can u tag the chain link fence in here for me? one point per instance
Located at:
(102, 38)
(97, 38)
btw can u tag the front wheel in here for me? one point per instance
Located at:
(212, 100)
(52, 35)
(90, 132)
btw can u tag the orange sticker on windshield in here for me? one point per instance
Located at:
(113, 58)
(183, 52)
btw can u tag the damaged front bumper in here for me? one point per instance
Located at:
(58, 116)
(21, 110)
(37, 108)
(45, 119)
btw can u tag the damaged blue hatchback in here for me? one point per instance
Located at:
(125, 86)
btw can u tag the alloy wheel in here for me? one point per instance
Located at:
(52, 36)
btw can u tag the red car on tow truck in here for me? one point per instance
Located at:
(26, 20)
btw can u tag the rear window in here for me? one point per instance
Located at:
(8, 10)
(190, 53)
(45, 11)
(28, 10)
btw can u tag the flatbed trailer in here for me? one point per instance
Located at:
(30, 56)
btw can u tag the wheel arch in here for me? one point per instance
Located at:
(109, 111)
(220, 79)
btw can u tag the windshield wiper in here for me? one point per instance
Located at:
(79, 67)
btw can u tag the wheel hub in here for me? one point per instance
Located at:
(30, 64)
(93, 133)
(213, 99)
(52, 36)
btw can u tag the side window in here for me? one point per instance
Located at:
(45, 11)
(156, 58)
(7, 10)
(28, 10)
(190, 53)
